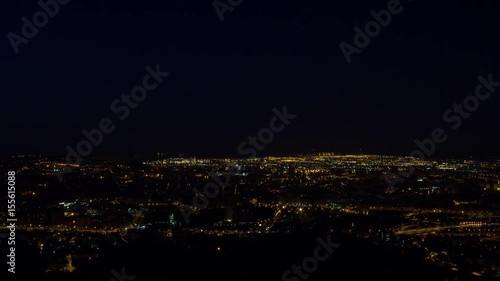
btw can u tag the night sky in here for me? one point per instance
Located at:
(226, 77)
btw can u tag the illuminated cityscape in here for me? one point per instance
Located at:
(446, 213)
(247, 140)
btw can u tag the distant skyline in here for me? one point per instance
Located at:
(155, 156)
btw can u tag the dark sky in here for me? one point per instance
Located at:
(226, 77)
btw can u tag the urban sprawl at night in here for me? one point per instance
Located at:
(445, 213)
